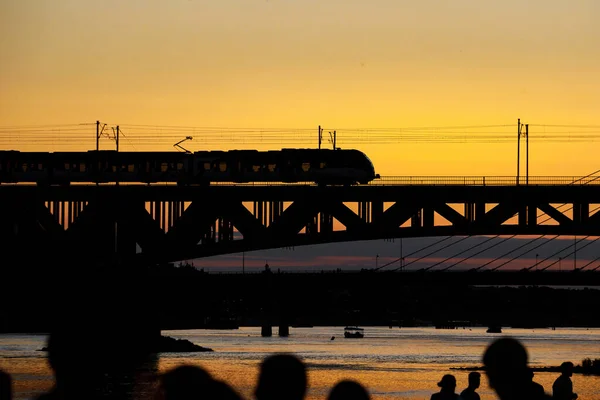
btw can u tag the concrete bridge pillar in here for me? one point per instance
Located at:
(284, 330)
(266, 330)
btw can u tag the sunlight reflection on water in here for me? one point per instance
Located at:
(394, 363)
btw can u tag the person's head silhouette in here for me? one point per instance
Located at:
(184, 382)
(348, 390)
(281, 376)
(505, 362)
(448, 383)
(474, 379)
(567, 368)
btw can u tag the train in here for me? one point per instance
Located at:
(321, 166)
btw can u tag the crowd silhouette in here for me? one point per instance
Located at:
(281, 376)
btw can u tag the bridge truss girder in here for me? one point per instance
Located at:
(172, 223)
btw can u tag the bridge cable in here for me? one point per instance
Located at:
(479, 252)
(433, 252)
(541, 236)
(414, 252)
(550, 240)
(556, 261)
(496, 236)
(561, 250)
(509, 252)
(522, 254)
(457, 254)
(593, 261)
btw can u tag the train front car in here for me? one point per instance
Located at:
(341, 167)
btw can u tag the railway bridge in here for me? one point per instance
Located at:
(166, 223)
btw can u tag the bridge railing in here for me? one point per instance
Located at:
(486, 180)
(404, 181)
(453, 181)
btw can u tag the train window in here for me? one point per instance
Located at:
(82, 167)
(179, 166)
(256, 168)
(207, 166)
(67, 166)
(164, 167)
(271, 167)
(305, 166)
(114, 168)
(322, 165)
(222, 166)
(24, 167)
(130, 168)
(40, 167)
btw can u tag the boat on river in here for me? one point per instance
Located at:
(353, 332)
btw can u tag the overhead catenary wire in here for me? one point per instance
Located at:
(146, 136)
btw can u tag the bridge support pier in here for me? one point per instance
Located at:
(266, 330)
(284, 330)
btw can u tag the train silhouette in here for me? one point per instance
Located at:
(322, 166)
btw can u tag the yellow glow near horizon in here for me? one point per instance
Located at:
(337, 63)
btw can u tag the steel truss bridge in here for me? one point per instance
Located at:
(172, 223)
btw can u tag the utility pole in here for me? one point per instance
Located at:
(98, 134)
(518, 148)
(519, 134)
(320, 136)
(333, 138)
(117, 138)
(527, 154)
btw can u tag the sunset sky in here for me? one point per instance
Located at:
(294, 65)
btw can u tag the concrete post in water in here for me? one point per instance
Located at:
(266, 330)
(284, 330)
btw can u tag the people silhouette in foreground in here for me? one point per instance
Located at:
(562, 389)
(281, 376)
(348, 390)
(93, 365)
(447, 385)
(505, 362)
(73, 376)
(191, 382)
(469, 393)
(5, 386)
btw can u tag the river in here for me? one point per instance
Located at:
(398, 363)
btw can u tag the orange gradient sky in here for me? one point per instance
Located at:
(340, 64)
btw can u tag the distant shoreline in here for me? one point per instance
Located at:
(576, 370)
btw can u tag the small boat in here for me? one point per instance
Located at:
(353, 332)
(494, 329)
